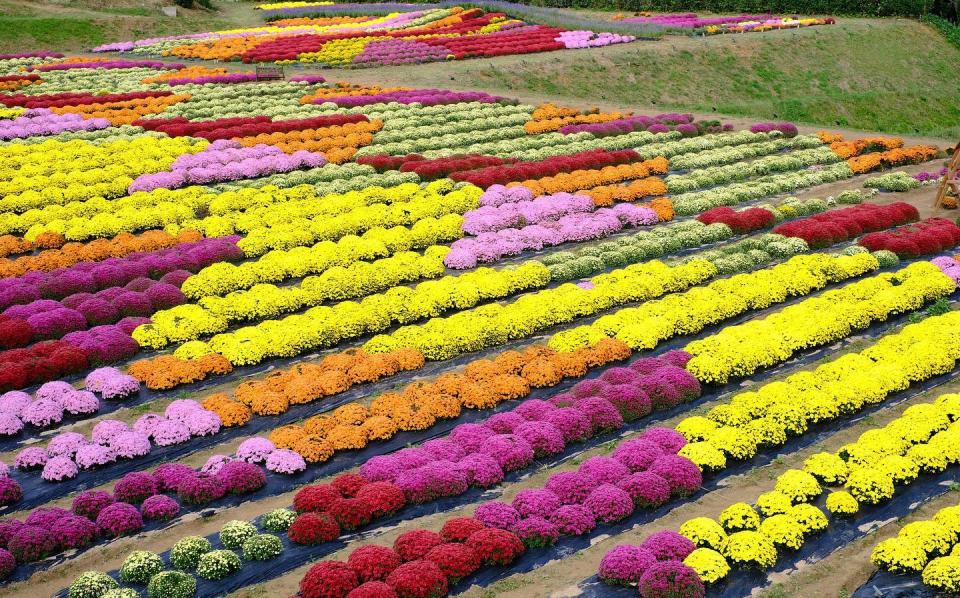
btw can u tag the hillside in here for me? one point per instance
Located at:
(893, 75)
(72, 26)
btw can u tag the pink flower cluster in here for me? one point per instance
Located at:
(788, 129)
(262, 450)
(111, 383)
(480, 454)
(488, 219)
(661, 123)
(50, 404)
(113, 440)
(50, 319)
(41, 121)
(692, 21)
(399, 51)
(226, 160)
(591, 39)
(498, 195)
(490, 247)
(656, 566)
(642, 472)
(948, 266)
(308, 78)
(132, 269)
(108, 64)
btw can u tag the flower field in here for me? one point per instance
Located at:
(364, 35)
(693, 24)
(389, 342)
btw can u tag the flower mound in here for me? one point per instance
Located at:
(670, 579)
(328, 579)
(418, 579)
(313, 528)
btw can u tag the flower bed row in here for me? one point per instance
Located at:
(645, 326)
(927, 547)
(502, 174)
(55, 400)
(869, 468)
(695, 202)
(845, 224)
(76, 161)
(928, 236)
(57, 253)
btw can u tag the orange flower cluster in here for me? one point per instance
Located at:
(848, 149)
(338, 143)
(894, 157)
(94, 251)
(16, 84)
(829, 137)
(125, 112)
(663, 206)
(222, 49)
(307, 382)
(12, 245)
(607, 195)
(232, 413)
(320, 22)
(482, 384)
(78, 59)
(454, 19)
(348, 89)
(168, 371)
(550, 117)
(578, 180)
(186, 73)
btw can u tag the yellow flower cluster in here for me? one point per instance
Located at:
(930, 545)
(279, 265)
(943, 574)
(647, 325)
(748, 536)
(433, 211)
(766, 416)
(708, 563)
(99, 217)
(322, 326)
(58, 172)
(738, 351)
(213, 314)
(494, 324)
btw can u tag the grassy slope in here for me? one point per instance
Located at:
(897, 76)
(79, 25)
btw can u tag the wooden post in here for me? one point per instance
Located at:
(951, 173)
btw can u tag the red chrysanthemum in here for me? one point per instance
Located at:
(313, 528)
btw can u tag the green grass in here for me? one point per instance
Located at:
(49, 32)
(81, 25)
(897, 76)
(133, 11)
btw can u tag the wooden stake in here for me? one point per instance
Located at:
(951, 173)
